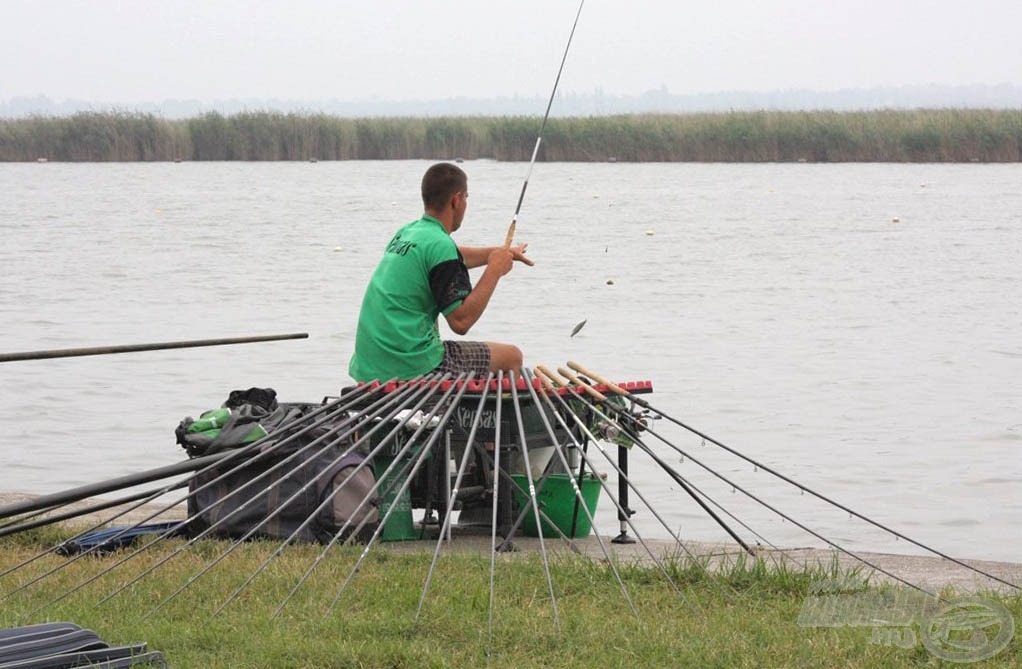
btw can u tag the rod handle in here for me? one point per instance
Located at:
(510, 235)
(612, 387)
(593, 392)
(546, 376)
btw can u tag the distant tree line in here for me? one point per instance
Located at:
(925, 135)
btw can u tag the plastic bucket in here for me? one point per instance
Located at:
(399, 526)
(557, 501)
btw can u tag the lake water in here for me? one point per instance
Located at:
(856, 327)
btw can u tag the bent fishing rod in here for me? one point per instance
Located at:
(542, 127)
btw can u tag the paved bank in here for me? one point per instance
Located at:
(928, 572)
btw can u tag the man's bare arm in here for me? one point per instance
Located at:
(477, 256)
(498, 264)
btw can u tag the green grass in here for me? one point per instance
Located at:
(922, 135)
(743, 617)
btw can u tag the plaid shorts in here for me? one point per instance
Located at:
(464, 356)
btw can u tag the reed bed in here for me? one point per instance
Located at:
(925, 135)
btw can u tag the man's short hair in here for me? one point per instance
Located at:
(440, 182)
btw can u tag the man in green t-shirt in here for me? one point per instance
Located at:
(422, 275)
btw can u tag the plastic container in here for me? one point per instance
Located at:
(399, 526)
(557, 501)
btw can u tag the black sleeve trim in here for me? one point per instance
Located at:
(449, 282)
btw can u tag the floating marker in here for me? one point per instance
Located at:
(610, 282)
(649, 233)
(895, 220)
(338, 248)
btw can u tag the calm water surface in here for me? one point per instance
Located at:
(854, 326)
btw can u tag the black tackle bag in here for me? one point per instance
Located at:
(281, 485)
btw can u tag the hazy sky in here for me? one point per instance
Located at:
(123, 51)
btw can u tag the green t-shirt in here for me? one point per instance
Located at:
(421, 276)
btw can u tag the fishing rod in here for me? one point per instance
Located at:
(403, 420)
(46, 502)
(579, 499)
(534, 502)
(451, 406)
(542, 127)
(335, 408)
(26, 522)
(453, 497)
(132, 348)
(621, 391)
(338, 406)
(547, 377)
(335, 435)
(760, 501)
(282, 505)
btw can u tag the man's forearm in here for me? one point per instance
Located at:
(475, 256)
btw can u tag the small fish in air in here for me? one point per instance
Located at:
(578, 327)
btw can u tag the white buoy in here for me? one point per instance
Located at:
(338, 248)
(649, 233)
(895, 220)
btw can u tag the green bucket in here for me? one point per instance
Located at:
(399, 526)
(557, 501)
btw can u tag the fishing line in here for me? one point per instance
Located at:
(542, 127)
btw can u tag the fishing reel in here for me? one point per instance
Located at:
(624, 421)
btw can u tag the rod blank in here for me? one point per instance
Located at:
(132, 348)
